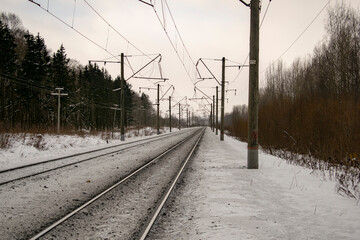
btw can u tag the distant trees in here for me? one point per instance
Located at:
(236, 122)
(29, 73)
(8, 66)
(312, 107)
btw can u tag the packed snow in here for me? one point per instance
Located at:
(219, 198)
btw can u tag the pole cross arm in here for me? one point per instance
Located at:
(237, 66)
(159, 55)
(153, 78)
(200, 77)
(246, 4)
(168, 91)
(192, 99)
(148, 88)
(146, 3)
(231, 90)
(179, 101)
(103, 61)
(203, 93)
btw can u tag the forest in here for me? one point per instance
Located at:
(29, 73)
(312, 107)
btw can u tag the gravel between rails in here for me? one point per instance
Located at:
(121, 213)
(30, 205)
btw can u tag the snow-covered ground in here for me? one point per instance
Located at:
(24, 149)
(220, 199)
(31, 204)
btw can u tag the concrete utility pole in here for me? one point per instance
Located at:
(115, 108)
(211, 116)
(253, 161)
(192, 118)
(179, 117)
(158, 110)
(217, 109)
(170, 112)
(59, 94)
(222, 100)
(187, 117)
(122, 99)
(213, 113)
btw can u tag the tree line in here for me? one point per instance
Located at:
(313, 106)
(29, 73)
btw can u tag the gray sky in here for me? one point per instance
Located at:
(210, 29)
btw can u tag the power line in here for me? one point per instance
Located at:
(77, 31)
(301, 34)
(247, 57)
(122, 36)
(26, 82)
(172, 44)
(86, 37)
(267, 8)
(177, 30)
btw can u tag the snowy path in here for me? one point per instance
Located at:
(220, 199)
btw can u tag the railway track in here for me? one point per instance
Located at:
(25, 171)
(125, 209)
(141, 230)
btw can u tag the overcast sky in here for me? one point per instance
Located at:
(210, 29)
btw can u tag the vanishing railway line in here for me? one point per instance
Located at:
(124, 209)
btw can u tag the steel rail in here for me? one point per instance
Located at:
(76, 162)
(82, 153)
(160, 206)
(63, 219)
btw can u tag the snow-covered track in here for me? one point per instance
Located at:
(56, 230)
(25, 171)
(151, 216)
(147, 227)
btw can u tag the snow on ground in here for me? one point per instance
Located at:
(21, 149)
(220, 199)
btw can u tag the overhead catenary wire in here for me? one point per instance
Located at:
(26, 82)
(104, 47)
(77, 31)
(301, 34)
(32, 86)
(177, 30)
(116, 56)
(122, 36)
(247, 57)
(171, 42)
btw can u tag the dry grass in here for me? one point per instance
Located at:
(35, 137)
(346, 177)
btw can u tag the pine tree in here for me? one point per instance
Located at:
(36, 94)
(8, 66)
